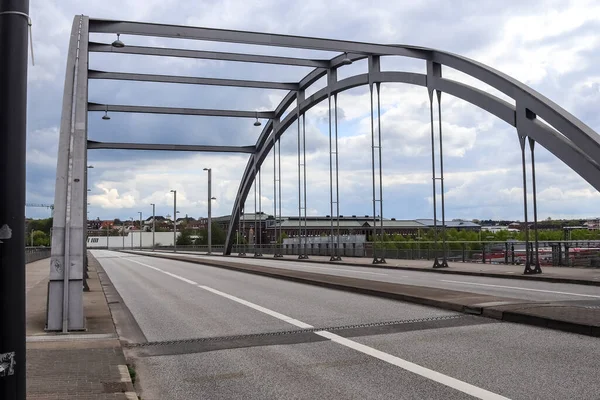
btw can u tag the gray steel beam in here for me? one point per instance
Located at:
(93, 74)
(65, 288)
(180, 111)
(566, 150)
(255, 38)
(94, 145)
(208, 55)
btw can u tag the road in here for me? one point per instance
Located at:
(222, 334)
(517, 289)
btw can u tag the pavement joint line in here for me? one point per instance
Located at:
(435, 376)
(296, 332)
(520, 288)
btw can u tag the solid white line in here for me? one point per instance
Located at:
(414, 368)
(370, 351)
(256, 307)
(520, 288)
(181, 278)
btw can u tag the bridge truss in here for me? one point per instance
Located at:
(536, 119)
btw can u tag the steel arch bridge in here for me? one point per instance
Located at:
(536, 119)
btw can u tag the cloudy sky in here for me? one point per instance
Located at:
(552, 46)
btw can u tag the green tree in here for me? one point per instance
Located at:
(184, 238)
(40, 238)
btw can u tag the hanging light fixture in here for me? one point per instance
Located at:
(118, 43)
(346, 60)
(257, 122)
(105, 116)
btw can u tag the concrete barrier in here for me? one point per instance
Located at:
(36, 253)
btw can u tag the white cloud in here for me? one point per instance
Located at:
(551, 50)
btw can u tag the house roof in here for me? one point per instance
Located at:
(449, 224)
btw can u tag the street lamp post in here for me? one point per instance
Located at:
(210, 199)
(123, 233)
(139, 212)
(130, 233)
(153, 223)
(174, 220)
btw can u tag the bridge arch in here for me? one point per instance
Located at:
(561, 133)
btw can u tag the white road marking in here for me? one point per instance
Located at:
(370, 351)
(272, 313)
(414, 368)
(181, 278)
(520, 288)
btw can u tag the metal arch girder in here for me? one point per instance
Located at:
(190, 80)
(208, 55)
(180, 111)
(95, 145)
(579, 133)
(559, 145)
(254, 38)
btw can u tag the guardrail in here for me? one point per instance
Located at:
(555, 253)
(36, 253)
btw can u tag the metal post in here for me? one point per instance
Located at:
(13, 103)
(279, 192)
(259, 231)
(243, 218)
(334, 244)
(276, 191)
(107, 237)
(256, 254)
(174, 220)
(123, 234)
(139, 212)
(528, 269)
(337, 178)
(444, 244)
(209, 209)
(436, 263)
(537, 268)
(381, 259)
(153, 226)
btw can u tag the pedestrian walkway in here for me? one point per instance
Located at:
(587, 276)
(86, 365)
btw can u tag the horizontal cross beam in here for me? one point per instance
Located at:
(92, 144)
(92, 74)
(255, 38)
(207, 55)
(180, 111)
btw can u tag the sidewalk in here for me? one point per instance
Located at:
(581, 276)
(84, 365)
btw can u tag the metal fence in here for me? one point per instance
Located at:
(36, 253)
(551, 253)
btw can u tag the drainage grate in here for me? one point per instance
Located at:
(293, 332)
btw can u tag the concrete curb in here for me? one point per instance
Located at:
(484, 305)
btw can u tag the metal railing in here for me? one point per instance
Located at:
(551, 253)
(36, 253)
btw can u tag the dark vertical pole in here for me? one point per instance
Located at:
(13, 118)
(537, 268)
(436, 263)
(527, 263)
(444, 245)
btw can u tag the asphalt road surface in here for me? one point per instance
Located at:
(219, 334)
(518, 289)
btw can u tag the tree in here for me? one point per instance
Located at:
(40, 238)
(184, 238)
